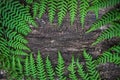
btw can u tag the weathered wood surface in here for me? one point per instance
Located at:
(70, 40)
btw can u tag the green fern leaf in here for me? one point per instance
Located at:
(62, 10)
(111, 32)
(19, 66)
(71, 68)
(41, 74)
(81, 72)
(29, 1)
(35, 9)
(42, 7)
(49, 69)
(107, 18)
(15, 36)
(60, 67)
(27, 67)
(108, 57)
(84, 4)
(51, 9)
(72, 7)
(32, 67)
(17, 52)
(91, 67)
(17, 45)
(116, 49)
(97, 4)
(13, 65)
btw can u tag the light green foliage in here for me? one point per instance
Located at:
(91, 67)
(35, 8)
(14, 27)
(115, 48)
(112, 31)
(29, 1)
(26, 67)
(84, 4)
(72, 70)
(72, 7)
(98, 4)
(42, 7)
(32, 67)
(49, 69)
(60, 67)
(40, 68)
(51, 9)
(108, 57)
(110, 16)
(81, 72)
(62, 10)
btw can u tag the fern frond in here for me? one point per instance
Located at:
(42, 7)
(62, 10)
(112, 31)
(17, 52)
(13, 65)
(40, 68)
(27, 67)
(29, 1)
(97, 4)
(51, 9)
(81, 72)
(106, 18)
(72, 7)
(17, 45)
(91, 67)
(84, 4)
(116, 49)
(32, 67)
(3, 47)
(71, 68)
(19, 66)
(15, 36)
(60, 67)
(108, 57)
(35, 8)
(49, 69)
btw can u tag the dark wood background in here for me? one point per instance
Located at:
(70, 40)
